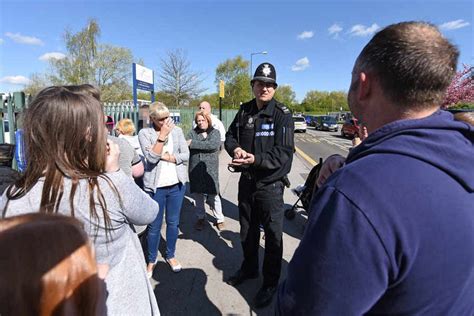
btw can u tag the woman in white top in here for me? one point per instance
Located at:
(166, 155)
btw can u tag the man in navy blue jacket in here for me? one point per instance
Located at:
(392, 232)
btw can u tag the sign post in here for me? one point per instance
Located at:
(143, 79)
(221, 96)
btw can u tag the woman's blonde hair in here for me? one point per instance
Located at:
(205, 115)
(158, 110)
(126, 127)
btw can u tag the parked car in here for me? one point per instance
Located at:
(300, 123)
(350, 128)
(312, 121)
(326, 123)
(308, 119)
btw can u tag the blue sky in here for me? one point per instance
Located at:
(312, 44)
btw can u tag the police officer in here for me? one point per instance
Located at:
(260, 141)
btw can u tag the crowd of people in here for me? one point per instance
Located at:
(390, 231)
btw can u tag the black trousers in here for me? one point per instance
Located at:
(261, 206)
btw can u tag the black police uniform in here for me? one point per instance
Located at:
(268, 134)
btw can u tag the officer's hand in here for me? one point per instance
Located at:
(330, 166)
(247, 160)
(239, 153)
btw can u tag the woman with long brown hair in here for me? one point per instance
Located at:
(73, 169)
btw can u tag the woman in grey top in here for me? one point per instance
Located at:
(72, 169)
(204, 143)
(166, 155)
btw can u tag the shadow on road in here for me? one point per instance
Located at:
(173, 289)
(227, 258)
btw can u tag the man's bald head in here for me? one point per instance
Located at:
(205, 106)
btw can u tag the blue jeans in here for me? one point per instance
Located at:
(170, 200)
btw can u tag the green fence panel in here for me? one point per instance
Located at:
(122, 110)
(14, 105)
(187, 117)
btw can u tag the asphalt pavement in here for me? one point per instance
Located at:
(209, 257)
(321, 144)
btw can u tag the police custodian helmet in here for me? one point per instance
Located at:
(265, 72)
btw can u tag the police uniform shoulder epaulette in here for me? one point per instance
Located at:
(283, 108)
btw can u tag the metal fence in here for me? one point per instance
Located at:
(186, 117)
(13, 105)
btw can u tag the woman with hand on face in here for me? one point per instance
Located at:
(74, 170)
(166, 155)
(204, 143)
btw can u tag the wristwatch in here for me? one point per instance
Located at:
(161, 141)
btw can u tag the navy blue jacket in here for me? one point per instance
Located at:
(392, 232)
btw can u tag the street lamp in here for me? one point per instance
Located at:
(251, 56)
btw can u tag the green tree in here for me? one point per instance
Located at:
(142, 95)
(166, 98)
(338, 100)
(212, 98)
(286, 95)
(234, 73)
(87, 61)
(323, 102)
(177, 79)
(37, 83)
(78, 66)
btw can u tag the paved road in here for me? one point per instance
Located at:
(316, 144)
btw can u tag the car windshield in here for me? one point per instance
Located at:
(329, 119)
(299, 119)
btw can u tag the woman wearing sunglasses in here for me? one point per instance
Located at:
(166, 156)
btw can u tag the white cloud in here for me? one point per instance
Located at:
(334, 30)
(362, 30)
(20, 80)
(453, 25)
(52, 55)
(301, 64)
(1, 40)
(305, 35)
(22, 39)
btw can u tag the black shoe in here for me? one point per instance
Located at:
(240, 277)
(264, 296)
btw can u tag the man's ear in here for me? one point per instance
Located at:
(365, 86)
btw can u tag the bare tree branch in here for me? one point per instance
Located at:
(177, 79)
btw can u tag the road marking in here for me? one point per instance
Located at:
(306, 157)
(343, 146)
